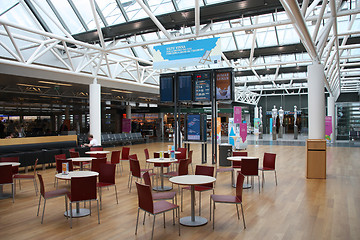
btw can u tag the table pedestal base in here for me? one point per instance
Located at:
(199, 221)
(76, 213)
(162, 189)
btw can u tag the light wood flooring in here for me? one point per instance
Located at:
(297, 208)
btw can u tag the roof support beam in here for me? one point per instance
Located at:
(197, 17)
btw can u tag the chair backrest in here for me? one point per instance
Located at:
(74, 154)
(238, 154)
(115, 157)
(250, 166)
(72, 150)
(59, 163)
(133, 157)
(146, 177)
(96, 149)
(107, 173)
(145, 198)
(60, 156)
(135, 168)
(239, 186)
(146, 151)
(6, 174)
(183, 167)
(83, 188)
(95, 164)
(207, 171)
(125, 153)
(42, 187)
(98, 155)
(182, 154)
(269, 160)
(15, 169)
(156, 154)
(190, 156)
(166, 155)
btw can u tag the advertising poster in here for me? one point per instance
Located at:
(193, 127)
(126, 125)
(190, 53)
(328, 128)
(256, 125)
(218, 130)
(237, 114)
(243, 132)
(223, 86)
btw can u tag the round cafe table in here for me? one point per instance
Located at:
(238, 159)
(2, 194)
(161, 161)
(97, 152)
(81, 160)
(192, 180)
(78, 212)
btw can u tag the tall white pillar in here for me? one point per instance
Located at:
(256, 112)
(316, 101)
(331, 112)
(128, 111)
(95, 110)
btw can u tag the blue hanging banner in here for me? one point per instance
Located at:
(190, 53)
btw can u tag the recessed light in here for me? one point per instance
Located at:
(121, 91)
(30, 85)
(55, 83)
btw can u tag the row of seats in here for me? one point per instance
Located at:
(115, 139)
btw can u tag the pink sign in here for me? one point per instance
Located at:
(243, 131)
(328, 127)
(237, 114)
(126, 125)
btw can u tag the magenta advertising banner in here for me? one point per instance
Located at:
(328, 127)
(126, 125)
(243, 131)
(237, 114)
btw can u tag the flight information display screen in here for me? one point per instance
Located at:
(185, 87)
(166, 89)
(202, 87)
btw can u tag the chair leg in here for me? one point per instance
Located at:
(178, 214)
(97, 210)
(38, 206)
(13, 192)
(66, 207)
(137, 221)
(144, 218)
(182, 192)
(258, 182)
(100, 193)
(35, 185)
(213, 215)
(70, 215)
(117, 201)
(263, 179)
(164, 218)
(152, 233)
(275, 177)
(42, 218)
(242, 211)
(210, 209)
(130, 183)
(237, 210)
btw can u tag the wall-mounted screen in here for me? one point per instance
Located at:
(184, 87)
(166, 89)
(193, 127)
(223, 85)
(202, 87)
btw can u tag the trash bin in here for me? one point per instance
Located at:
(316, 158)
(225, 151)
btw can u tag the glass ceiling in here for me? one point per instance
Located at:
(75, 16)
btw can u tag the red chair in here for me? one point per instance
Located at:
(74, 154)
(237, 164)
(158, 165)
(99, 155)
(27, 177)
(250, 167)
(106, 179)
(182, 154)
(49, 195)
(95, 164)
(201, 170)
(237, 199)
(124, 157)
(268, 165)
(15, 169)
(59, 163)
(147, 156)
(6, 177)
(146, 203)
(182, 169)
(169, 195)
(83, 189)
(135, 171)
(190, 161)
(96, 149)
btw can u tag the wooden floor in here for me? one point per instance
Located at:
(295, 209)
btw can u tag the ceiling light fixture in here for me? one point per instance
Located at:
(121, 91)
(55, 83)
(29, 85)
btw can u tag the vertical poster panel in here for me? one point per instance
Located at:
(126, 125)
(271, 123)
(243, 131)
(218, 130)
(223, 86)
(193, 127)
(328, 128)
(232, 131)
(237, 114)
(256, 126)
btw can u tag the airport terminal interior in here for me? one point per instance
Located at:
(199, 94)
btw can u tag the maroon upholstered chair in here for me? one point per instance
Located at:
(182, 169)
(182, 154)
(206, 171)
(15, 169)
(167, 165)
(48, 195)
(237, 164)
(250, 167)
(146, 203)
(106, 179)
(6, 177)
(83, 189)
(96, 149)
(237, 199)
(74, 154)
(190, 161)
(268, 165)
(95, 164)
(27, 177)
(124, 157)
(136, 171)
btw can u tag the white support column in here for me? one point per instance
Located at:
(128, 112)
(256, 112)
(316, 101)
(331, 112)
(95, 110)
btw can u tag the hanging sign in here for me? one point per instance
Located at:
(237, 114)
(328, 128)
(243, 131)
(190, 53)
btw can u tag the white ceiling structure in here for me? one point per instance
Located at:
(37, 35)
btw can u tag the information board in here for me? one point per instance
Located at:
(184, 87)
(202, 87)
(223, 85)
(166, 89)
(193, 127)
